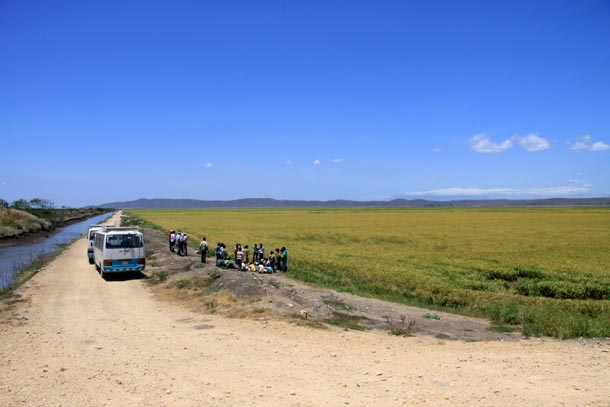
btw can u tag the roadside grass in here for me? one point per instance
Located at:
(195, 282)
(300, 320)
(338, 305)
(401, 327)
(347, 321)
(544, 271)
(500, 327)
(157, 277)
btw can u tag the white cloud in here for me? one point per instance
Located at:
(482, 144)
(337, 160)
(599, 146)
(436, 150)
(288, 163)
(460, 191)
(579, 146)
(575, 187)
(209, 165)
(585, 143)
(533, 142)
(579, 183)
(556, 191)
(316, 162)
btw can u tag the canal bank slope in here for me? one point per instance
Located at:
(71, 338)
(18, 226)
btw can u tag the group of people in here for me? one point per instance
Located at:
(178, 243)
(273, 262)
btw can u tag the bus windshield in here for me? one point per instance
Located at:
(123, 241)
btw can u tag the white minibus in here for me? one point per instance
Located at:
(119, 250)
(90, 237)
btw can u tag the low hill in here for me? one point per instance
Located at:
(144, 203)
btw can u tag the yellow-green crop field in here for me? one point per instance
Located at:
(545, 270)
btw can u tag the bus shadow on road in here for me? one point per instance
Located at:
(117, 277)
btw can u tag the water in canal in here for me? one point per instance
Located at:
(13, 258)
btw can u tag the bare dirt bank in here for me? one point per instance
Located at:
(209, 289)
(74, 339)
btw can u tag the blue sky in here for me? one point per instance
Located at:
(114, 100)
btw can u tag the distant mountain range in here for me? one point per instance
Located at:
(340, 203)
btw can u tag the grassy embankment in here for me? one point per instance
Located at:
(14, 223)
(545, 271)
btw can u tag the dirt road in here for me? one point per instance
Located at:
(77, 340)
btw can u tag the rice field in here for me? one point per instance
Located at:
(545, 271)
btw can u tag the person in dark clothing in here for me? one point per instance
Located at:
(203, 249)
(284, 259)
(172, 241)
(179, 243)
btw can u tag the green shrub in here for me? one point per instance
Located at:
(346, 321)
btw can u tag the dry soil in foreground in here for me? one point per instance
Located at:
(73, 339)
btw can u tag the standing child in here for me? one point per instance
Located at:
(239, 255)
(255, 254)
